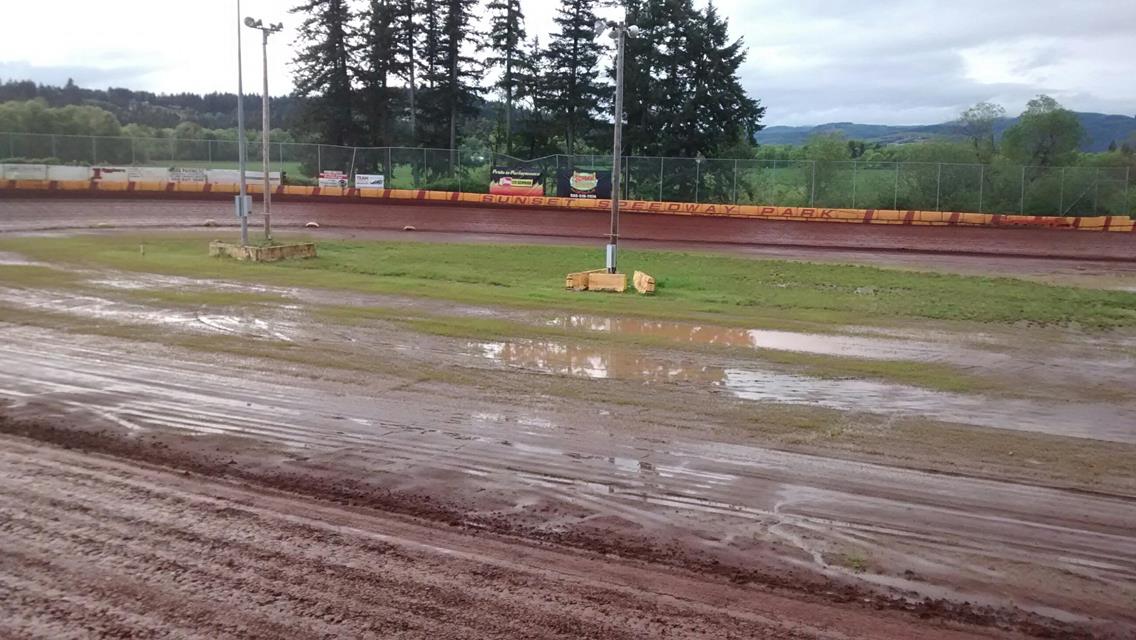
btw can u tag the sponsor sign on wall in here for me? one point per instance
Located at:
(333, 179)
(516, 182)
(188, 175)
(24, 171)
(584, 185)
(233, 176)
(365, 181)
(130, 174)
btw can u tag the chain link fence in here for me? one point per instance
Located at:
(924, 186)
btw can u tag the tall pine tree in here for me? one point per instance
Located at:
(406, 48)
(506, 37)
(377, 65)
(573, 59)
(323, 68)
(683, 92)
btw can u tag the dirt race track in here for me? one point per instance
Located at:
(38, 213)
(151, 488)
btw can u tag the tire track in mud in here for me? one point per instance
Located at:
(103, 548)
(564, 485)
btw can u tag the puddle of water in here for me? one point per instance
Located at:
(1087, 420)
(1114, 422)
(94, 307)
(10, 259)
(592, 362)
(835, 345)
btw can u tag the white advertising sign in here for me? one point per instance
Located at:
(188, 175)
(24, 171)
(363, 181)
(332, 179)
(233, 176)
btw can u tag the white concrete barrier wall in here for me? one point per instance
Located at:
(68, 173)
(232, 176)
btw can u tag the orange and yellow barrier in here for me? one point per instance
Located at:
(803, 214)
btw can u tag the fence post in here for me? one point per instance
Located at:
(1127, 181)
(813, 193)
(459, 171)
(54, 153)
(981, 184)
(1022, 208)
(1096, 192)
(173, 149)
(735, 181)
(895, 198)
(697, 179)
(1061, 201)
(133, 154)
(424, 163)
(94, 152)
(660, 178)
(939, 189)
(854, 163)
(319, 160)
(388, 180)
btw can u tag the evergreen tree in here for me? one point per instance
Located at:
(533, 89)
(406, 47)
(323, 68)
(723, 114)
(377, 64)
(506, 37)
(573, 59)
(683, 92)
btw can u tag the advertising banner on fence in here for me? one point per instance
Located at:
(364, 181)
(188, 175)
(516, 182)
(333, 179)
(584, 185)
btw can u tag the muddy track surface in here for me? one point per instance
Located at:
(97, 548)
(39, 213)
(727, 526)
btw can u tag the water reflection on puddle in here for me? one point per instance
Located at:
(593, 362)
(837, 345)
(1095, 420)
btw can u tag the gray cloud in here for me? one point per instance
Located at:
(127, 76)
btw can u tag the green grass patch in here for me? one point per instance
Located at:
(692, 286)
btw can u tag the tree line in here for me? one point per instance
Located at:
(413, 73)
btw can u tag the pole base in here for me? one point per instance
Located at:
(612, 252)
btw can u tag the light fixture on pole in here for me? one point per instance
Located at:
(265, 30)
(242, 158)
(620, 31)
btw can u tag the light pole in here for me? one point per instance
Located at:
(242, 160)
(620, 31)
(265, 30)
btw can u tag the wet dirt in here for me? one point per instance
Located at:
(95, 547)
(96, 308)
(584, 473)
(1115, 421)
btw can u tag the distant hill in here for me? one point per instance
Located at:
(1102, 129)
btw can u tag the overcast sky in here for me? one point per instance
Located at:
(810, 61)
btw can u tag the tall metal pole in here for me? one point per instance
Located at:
(241, 151)
(617, 151)
(265, 151)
